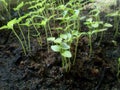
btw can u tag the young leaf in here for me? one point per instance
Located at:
(95, 25)
(69, 35)
(107, 25)
(43, 22)
(67, 54)
(51, 39)
(64, 36)
(3, 27)
(61, 7)
(89, 20)
(23, 17)
(56, 48)
(75, 33)
(77, 13)
(100, 30)
(65, 46)
(58, 40)
(19, 6)
(11, 23)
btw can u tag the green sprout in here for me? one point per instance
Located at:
(93, 27)
(10, 25)
(116, 16)
(62, 46)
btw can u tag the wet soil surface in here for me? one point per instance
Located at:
(41, 70)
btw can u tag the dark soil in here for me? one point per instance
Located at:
(41, 70)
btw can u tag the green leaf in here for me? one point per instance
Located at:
(51, 39)
(67, 54)
(65, 46)
(65, 13)
(58, 28)
(19, 6)
(43, 22)
(95, 11)
(82, 17)
(3, 27)
(77, 13)
(11, 23)
(23, 17)
(107, 25)
(64, 36)
(95, 25)
(100, 30)
(89, 20)
(36, 5)
(69, 35)
(58, 40)
(27, 23)
(75, 33)
(92, 0)
(61, 7)
(56, 48)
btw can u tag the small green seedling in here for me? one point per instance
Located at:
(63, 48)
(10, 25)
(63, 45)
(93, 27)
(116, 16)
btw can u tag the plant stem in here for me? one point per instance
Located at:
(75, 51)
(29, 46)
(90, 44)
(116, 26)
(24, 50)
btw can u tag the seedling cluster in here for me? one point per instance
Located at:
(62, 17)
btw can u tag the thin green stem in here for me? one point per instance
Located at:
(39, 36)
(75, 51)
(24, 50)
(90, 44)
(22, 35)
(29, 45)
(116, 26)
(46, 33)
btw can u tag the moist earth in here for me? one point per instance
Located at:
(42, 70)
